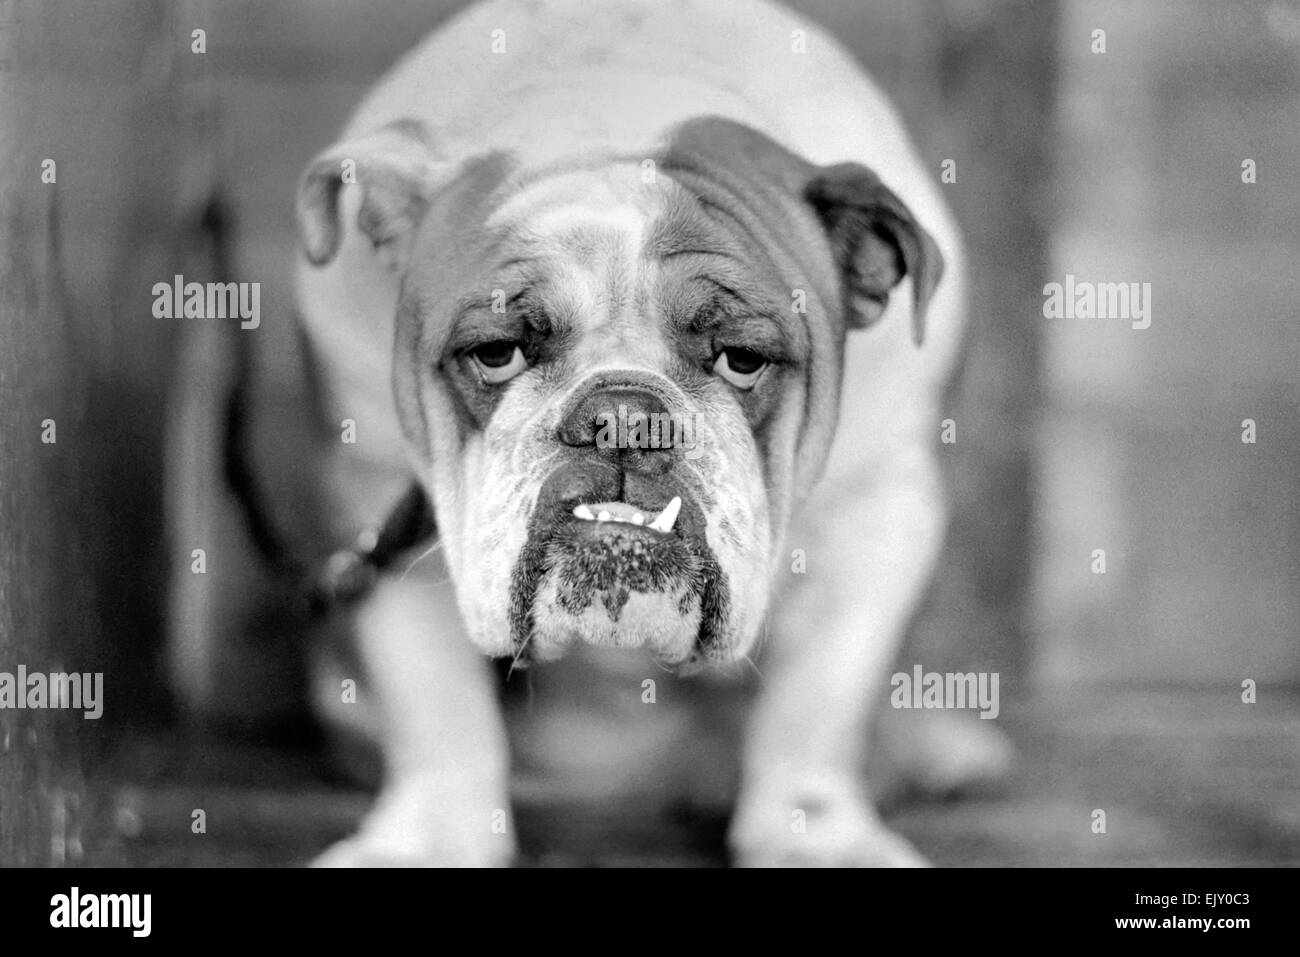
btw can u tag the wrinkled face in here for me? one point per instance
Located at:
(617, 385)
(609, 392)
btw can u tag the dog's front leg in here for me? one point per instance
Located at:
(872, 543)
(445, 800)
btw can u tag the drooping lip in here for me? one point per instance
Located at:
(600, 485)
(562, 518)
(684, 520)
(553, 522)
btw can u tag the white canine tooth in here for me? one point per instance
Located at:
(603, 517)
(668, 517)
(584, 513)
(638, 519)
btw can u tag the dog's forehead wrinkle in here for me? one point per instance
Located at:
(588, 275)
(683, 226)
(707, 283)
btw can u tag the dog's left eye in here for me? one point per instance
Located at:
(499, 361)
(740, 367)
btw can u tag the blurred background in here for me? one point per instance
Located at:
(1122, 690)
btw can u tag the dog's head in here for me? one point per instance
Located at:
(619, 376)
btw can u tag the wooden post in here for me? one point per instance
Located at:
(994, 105)
(83, 373)
(44, 584)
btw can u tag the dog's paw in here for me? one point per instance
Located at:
(358, 851)
(823, 827)
(421, 822)
(363, 850)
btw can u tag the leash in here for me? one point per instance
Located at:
(347, 574)
(350, 573)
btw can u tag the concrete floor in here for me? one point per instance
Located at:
(1185, 777)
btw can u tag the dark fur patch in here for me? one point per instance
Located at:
(609, 569)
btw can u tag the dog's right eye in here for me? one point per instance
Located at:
(499, 361)
(740, 367)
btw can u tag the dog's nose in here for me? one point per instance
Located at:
(631, 425)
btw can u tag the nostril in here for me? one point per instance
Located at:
(602, 418)
(577, 433)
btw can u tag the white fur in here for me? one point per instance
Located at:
(873, 528)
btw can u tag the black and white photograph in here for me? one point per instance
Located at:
(650, 434)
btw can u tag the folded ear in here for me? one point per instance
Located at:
(875, 238)
(877, 241)
(394, 168)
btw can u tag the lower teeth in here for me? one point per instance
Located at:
(664, 522)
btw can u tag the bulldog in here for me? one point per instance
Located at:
(692, 218)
